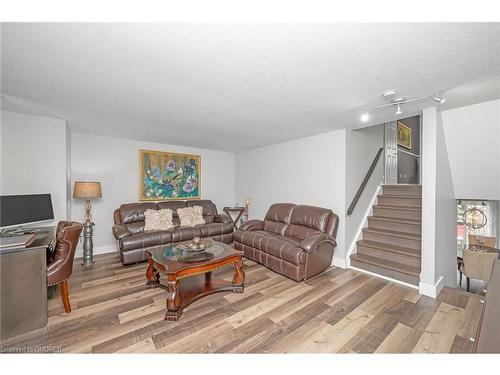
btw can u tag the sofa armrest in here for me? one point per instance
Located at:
(252, 225)
(309, 244)
(223, 218)
(120, 231)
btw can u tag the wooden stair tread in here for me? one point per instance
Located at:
(393, 233)
(395, 220)
(410, 186)
(405, 208)
(401, 250)
(387, 264)
(399, 196)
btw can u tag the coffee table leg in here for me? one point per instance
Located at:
(173, 300)
(239, 277)
(152, 275)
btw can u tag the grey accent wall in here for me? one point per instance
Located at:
(409, 165)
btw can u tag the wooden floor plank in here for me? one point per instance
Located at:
(441, 331)
(338, 311)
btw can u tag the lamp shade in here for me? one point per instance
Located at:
(87, 189)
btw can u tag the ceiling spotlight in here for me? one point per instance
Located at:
(398, 110)
(439, 99)
(365, 117)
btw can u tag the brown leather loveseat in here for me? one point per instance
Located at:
(133, 241)
(296, 241)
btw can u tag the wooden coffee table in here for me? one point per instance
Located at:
(189, 275)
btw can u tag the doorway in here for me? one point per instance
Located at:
(402, 149)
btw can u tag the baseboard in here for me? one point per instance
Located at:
(385, 277)
(104, 249)
(430, 290)
(97, 250)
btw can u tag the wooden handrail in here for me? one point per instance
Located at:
(365, 181)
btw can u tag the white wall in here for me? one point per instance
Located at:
(33, 157)
(305, 171)
(114, 162)
(473, 142)
(438, 209)
(361, 147)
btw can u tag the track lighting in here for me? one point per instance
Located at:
(398, 110)
(439, 99)
(394, 100)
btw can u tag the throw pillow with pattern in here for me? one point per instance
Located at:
(191, 216)
(158, 219)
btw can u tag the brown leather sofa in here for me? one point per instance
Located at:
(133, 241)
(296, 241)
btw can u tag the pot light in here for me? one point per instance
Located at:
(365, 117)
(398, 110)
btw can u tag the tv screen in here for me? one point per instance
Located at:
(22, 209)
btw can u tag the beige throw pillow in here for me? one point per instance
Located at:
(158, 219)
(191, 216)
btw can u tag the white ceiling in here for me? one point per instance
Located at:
(239, 86)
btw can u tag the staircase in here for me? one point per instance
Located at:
(391, 242)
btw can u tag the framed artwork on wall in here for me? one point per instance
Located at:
(404, 135)
(168, 175)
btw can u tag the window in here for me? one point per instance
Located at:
(491, 209)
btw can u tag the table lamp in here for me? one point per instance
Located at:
(87, 190)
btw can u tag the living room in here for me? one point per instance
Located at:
(228, 187)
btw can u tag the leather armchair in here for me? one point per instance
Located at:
(60, 261)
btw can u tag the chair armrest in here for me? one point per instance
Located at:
(309, 244)
(120, 231)
(252, 225)
(223, 218)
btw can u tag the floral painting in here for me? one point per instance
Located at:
(167, 175)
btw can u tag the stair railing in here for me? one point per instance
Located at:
(364, 182)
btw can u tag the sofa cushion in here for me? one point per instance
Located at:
(191, 216)
(278, 217)
(209, 209)
(132, 212)
(307, 220)
(145, 239)
(215, 229)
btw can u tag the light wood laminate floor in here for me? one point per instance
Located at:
(340, 311)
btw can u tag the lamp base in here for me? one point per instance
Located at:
(88, 246)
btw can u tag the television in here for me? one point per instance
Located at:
(16, 210)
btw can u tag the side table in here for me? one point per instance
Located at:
(240, 210)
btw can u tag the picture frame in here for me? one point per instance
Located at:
(404, 135)
(169, 176)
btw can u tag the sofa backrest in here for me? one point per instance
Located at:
(300, 221)
(132, 214)
(278, 217)
(307, 220)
